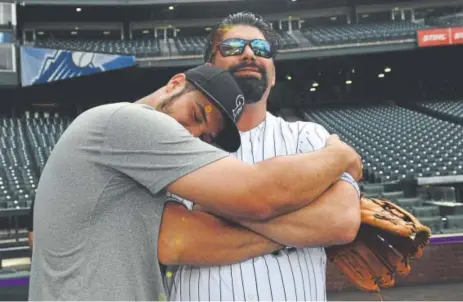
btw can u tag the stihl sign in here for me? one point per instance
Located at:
(457, 35)
(440, 36)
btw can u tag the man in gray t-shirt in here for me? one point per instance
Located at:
(101, 196)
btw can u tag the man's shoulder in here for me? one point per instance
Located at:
(296, 124)
(132, 113)
(125, 107)
(309, 136)
(117, 120)
(99, 113)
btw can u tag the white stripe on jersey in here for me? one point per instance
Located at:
(295, 274)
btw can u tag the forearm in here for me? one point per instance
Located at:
(334, 218)
(30, 236)
(291, 183)
(197, 238)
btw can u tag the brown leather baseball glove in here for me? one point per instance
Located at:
(389, 237)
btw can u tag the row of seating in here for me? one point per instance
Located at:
(449, 108)
(193, 45)
(287, 41)
(145, 47)
(361, 33)
(25, 144)
(449, 21)
(190, 45)
(319, 36)
(396, 143)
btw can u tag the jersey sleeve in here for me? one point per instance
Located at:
(152, 148)
(313, 137)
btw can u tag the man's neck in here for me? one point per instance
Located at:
(252, 115)
(151, 99)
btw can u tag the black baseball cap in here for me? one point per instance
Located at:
(221, 88)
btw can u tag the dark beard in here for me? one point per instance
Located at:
(253, 88)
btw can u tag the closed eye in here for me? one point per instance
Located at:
(196, 117)
(203, 112)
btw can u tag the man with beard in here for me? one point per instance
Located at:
(245, 45)
(102, 194)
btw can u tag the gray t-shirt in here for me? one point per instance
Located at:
(100, 200)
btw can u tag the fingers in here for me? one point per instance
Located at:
(333, 138)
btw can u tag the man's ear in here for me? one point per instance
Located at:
(274, 74)
(175, 82)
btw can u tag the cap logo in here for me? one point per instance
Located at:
(208, 108)
(239, 104)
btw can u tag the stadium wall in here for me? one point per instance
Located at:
(9, 79)
(440, 263)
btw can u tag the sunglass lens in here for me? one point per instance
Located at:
(261, 48)
(232, 47)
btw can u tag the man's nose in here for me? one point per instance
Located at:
(248, 53)
(201, 132)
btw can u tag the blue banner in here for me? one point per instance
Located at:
(40, 65)
(6, 37)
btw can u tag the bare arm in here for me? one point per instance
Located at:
(157, 152)
(332, 219)
(267, 189)
(30, 225)
(197, 238)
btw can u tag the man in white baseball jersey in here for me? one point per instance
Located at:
(245, 45)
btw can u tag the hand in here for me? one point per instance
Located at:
(354, 161)
(356, 169)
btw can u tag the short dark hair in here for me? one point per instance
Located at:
(171, 99)
(241, 18)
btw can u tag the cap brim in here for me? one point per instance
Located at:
(229, 138)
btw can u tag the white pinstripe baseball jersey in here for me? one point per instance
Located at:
(298, 274)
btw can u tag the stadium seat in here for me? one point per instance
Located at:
(393, 196)
(454, 224)
(425, 211)
(409, 203)
(373, 190)
(449, 108)
(193, 45)
(286, 40)
(434, 223)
